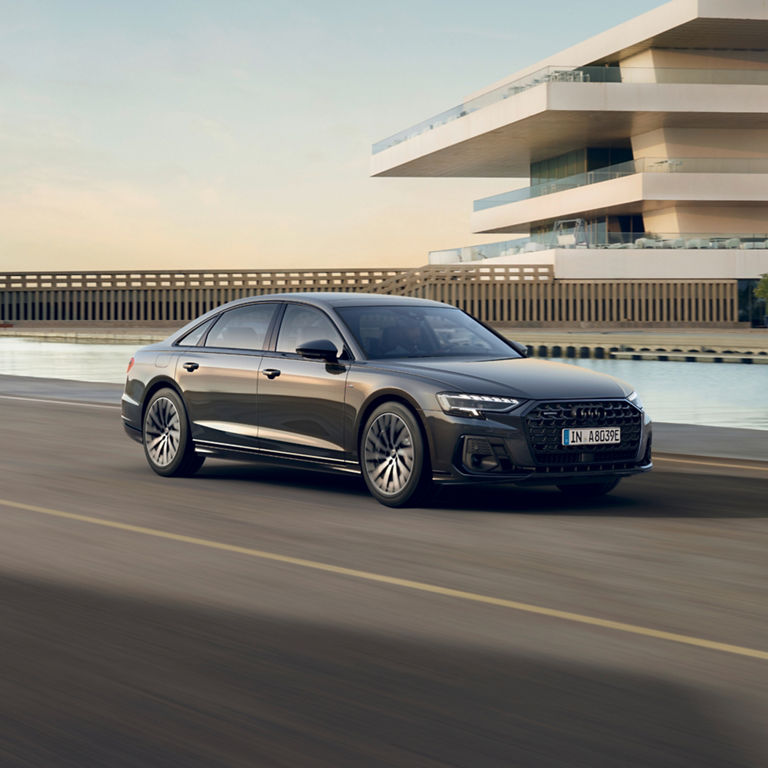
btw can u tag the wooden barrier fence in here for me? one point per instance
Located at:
(522, 295)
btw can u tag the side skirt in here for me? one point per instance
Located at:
(239, 453)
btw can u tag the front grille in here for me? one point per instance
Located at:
(544, 425)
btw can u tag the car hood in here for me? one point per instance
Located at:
(521, 377)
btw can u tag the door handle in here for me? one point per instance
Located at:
(271, 373)
(191, 366)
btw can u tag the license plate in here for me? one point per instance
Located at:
(594, 436)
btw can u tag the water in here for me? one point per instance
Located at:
(713, 394)
(64, 360)
(721, 395)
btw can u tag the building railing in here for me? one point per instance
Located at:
(497, 293)
(582, 238)
(480, 252)
(629, 168)
(696, 240)
(579, 75)
(748, 241)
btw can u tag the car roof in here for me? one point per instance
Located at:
(338, 299)
(327, 300)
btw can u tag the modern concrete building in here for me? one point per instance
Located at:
(646, 150)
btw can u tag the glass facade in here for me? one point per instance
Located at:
(578, 161)
(751, 309)
(596, 231)
(583, 231)
(559, 167)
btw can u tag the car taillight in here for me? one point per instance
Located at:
(130, 365)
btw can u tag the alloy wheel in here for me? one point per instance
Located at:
(389, 454)
(162, 431)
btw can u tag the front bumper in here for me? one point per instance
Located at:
(524, 448)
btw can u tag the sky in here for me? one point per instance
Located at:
(234, 134)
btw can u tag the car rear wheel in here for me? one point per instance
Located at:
(393, 457)
(586, 491)
(165, 433)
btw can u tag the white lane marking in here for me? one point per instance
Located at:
(701, 463)
(60, 402)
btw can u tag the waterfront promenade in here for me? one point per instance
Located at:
(692, 345)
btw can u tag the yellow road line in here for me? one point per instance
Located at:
(419, 586)
(701, 463)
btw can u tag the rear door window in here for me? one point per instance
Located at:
(243, 327)
(195, 337)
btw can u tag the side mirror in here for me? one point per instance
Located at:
(521, 349)
(320, 349)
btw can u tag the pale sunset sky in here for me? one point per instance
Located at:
(237, 134)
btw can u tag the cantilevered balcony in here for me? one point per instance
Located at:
(636, 187)
(578, 237)
(557, 110)
(641, 165)
(586, 255)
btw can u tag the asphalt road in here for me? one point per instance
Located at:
(254, 616)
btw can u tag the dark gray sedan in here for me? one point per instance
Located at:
(407, 392)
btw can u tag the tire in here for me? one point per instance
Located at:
(393, 458)
(165, 435)
(587, 491)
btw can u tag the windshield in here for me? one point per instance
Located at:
(392, 331)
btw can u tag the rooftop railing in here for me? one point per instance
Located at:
(579, 75)
(579, 238)
(629, 168)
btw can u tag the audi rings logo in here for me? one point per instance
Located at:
(588, 412)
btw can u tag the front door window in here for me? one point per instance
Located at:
(302, 324)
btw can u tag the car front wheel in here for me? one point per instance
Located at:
(165, 433)
(393, 457)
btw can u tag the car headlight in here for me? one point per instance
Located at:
(474, 406)
(635, 400)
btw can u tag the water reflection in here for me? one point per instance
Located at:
(723, 395)
(714, 394)
(64, 360)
